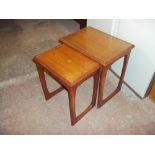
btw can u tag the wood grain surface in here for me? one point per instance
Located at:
(67, 64)
(98, 45)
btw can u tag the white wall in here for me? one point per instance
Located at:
(141, 33)
(104, 25)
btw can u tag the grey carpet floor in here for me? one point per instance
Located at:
(23, 109)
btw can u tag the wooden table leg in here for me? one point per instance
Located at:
(125, 63)
(102, 101)
(47, 94)
(95, 88)
(72, 94)
(101, 86)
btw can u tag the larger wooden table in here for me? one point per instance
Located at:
(102, 48)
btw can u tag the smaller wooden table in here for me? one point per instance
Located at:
(104, 49)
(70, 68)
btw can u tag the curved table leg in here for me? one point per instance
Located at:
(102, 101)
(72, 94)
(47, 94)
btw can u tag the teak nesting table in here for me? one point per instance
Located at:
(104, 49)
(70, 68)
(81, 55)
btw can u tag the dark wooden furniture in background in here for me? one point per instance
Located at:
(70, 68)
(104, 49)
(82, 22)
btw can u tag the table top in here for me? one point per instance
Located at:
(98, 45)
(67, 64)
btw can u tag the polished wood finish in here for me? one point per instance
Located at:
(104, 49)
(69, 65)
(98, 45)
(70, 68)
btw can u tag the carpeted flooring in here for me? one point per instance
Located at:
(23, 109)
